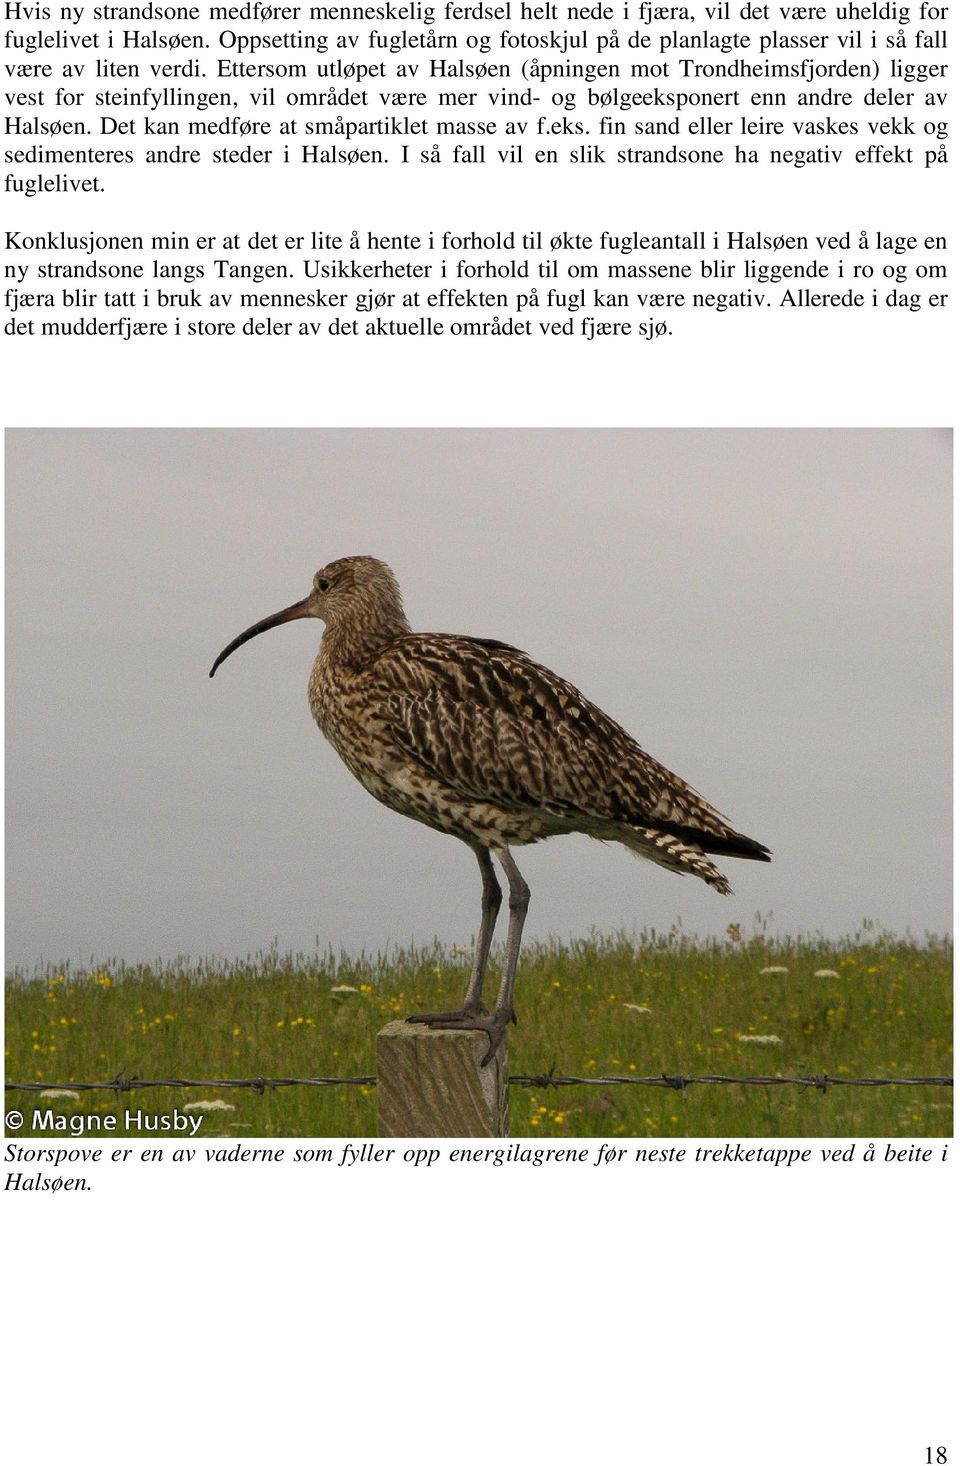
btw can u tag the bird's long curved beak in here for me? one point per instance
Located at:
(292, 613)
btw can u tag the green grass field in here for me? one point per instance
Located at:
(873, 1005)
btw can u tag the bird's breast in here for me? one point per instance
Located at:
(345, 712)
(337, 710)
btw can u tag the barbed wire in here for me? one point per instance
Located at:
(123, 1084)
(681, 1081)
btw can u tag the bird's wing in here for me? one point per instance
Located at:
(493, 725)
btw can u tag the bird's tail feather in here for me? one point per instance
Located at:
(669, 850)
(724, 842)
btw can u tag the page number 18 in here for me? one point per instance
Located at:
(936, 1455)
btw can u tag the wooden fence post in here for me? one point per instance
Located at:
(430, 1083)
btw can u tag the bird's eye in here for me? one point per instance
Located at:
(323, 584)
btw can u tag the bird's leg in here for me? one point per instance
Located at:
(519, 901)
(489, 910)
(473, 1002)
(494, 1024)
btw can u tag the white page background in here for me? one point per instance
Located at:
(648, 1314)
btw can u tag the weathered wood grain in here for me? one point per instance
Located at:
(430, 1083)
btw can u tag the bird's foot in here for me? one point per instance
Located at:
(494, 1025)
(468, 1011)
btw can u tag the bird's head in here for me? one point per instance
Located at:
(358, 591)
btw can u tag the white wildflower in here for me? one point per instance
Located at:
(826, 972)
(764, 971)
(342, 989)
(636, 1008)
(758, 1038)
(206, 1106)
(59, 1094)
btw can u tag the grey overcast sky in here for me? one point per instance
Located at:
(767, 611)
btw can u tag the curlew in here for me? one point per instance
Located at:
(475, 739)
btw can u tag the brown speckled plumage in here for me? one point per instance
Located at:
(475, 739)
